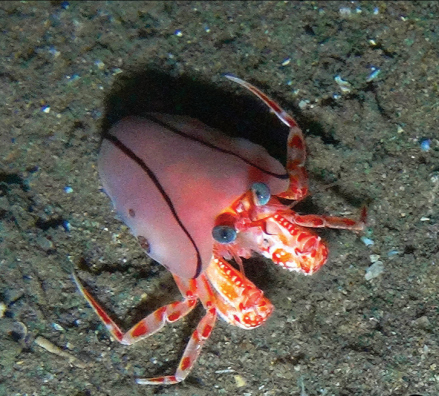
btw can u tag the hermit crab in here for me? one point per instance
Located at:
(197, 199)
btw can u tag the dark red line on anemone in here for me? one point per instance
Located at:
(130, 153)
(212, 146)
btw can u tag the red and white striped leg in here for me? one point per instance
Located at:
(151, 323)
(296, 154)
(155, 321)
(190, 354)
(321, 221)
(198, 337)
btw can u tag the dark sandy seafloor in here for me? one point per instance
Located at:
(361, 79)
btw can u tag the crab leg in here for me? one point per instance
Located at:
(190, 355)
(224, 292)
(296, 154)
(221, 289)
(196, 342)
(154, 322)
(166, 314)
(150, 324)
(316, 221)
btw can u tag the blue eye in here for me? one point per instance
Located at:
(261, 193)
(224, 234)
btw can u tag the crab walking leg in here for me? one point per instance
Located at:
(224, 292)
(280, 113)
(153, 322)
(198, 338)
(190, 355)
(316, 221)
(166, 314)
(296, 154)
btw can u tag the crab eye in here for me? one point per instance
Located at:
(224, 234)
(261, 193)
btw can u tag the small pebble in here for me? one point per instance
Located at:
(345, 11)
(44, 243)
(422, 323)
(100, 64)
(303, 103)
(392, 253)
(373, 75)
(66, 225)
(425, 144)
(376, 269)
(240, 381)
(57, 327)
(54, 51)
(367, 241)
(344, 85)
(3, 308)
(72, 78)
